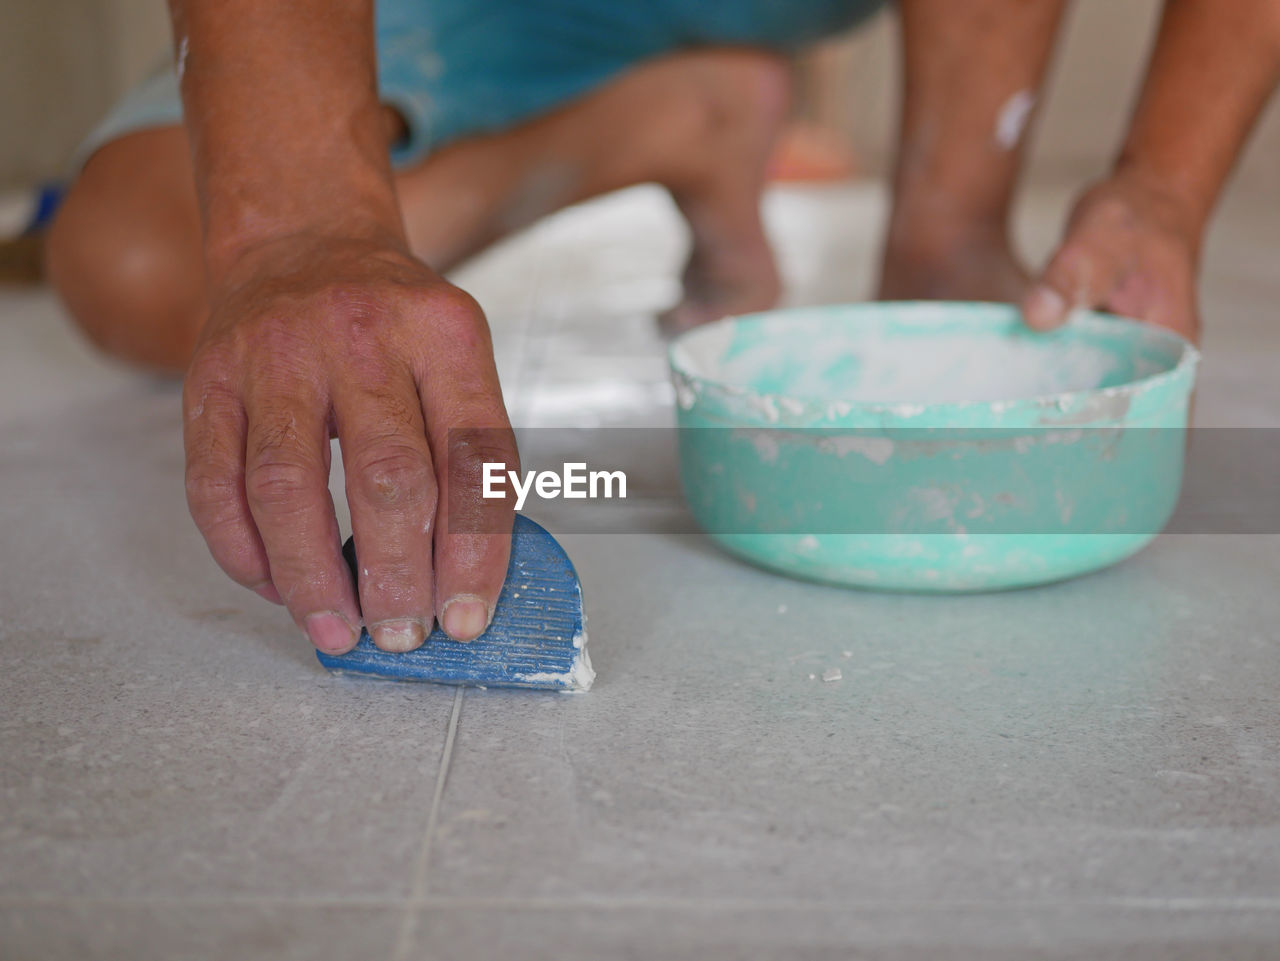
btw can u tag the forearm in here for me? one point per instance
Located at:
(282, 112)
(972, 74)
(1213, 67)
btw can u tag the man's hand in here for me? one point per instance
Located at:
(322, 323)
(1130, 248)
(311, 338)
(1133, 242)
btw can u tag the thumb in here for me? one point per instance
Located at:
(1080, 274)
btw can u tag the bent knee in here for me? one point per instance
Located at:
(741, 90)
(722, 101)
(128, 271)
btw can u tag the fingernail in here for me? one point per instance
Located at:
(398, 636)
(268, 591)
(1046, 307)
(465, 617)
(330, 632)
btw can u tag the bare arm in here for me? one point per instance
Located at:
(1134, 240)
(284, 122)
(1213, 69)
(322, 322)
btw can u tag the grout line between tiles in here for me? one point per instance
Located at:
(418, 889)
(1174, 905)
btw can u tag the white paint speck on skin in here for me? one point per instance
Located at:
(180, 66)
(1011, 122)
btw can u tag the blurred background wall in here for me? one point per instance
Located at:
(1093, 85)
(62, 62)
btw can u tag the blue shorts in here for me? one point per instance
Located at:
(456, 68)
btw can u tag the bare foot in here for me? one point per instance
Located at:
(731, 268)
(724, 280)
(978, 266)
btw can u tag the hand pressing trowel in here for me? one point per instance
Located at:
(537, 638)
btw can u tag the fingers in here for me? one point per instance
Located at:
(214, 428)
(391, 489)
(1084, 271)
(286, 457)
(473, 543)
(1147, 279)
(466, 419)
(258, 463)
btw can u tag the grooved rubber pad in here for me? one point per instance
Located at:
(537, 638)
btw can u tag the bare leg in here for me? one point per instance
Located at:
(972, 74)
(125, 251)
(701, 124)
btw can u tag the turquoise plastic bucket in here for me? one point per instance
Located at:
(931, 446)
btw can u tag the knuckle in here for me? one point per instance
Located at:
(207, 398)
(249, 336)
(392, 583)
(471, 450)
(357, 307)
(455, 315)
(1073, 262)
(454, 302)
(1112, 208)
(209, 491)
(212, 367)
(274, 435)
(363, 325)
(273, 336)
(277, 483)
(1103, 212)
(368, 361)
(393, 475)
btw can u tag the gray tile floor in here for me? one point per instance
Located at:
(1088, 770)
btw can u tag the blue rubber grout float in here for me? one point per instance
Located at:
(537, 638)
